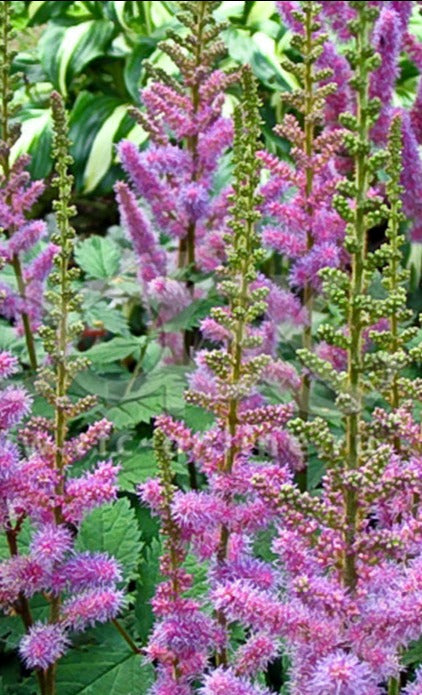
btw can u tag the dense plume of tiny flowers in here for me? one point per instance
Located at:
(174, 176)
(43, 645)
(29, 488)
(18, 194)
(293, 215)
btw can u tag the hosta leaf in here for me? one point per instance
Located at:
(133, 67)
(35, 140)
(67, 50)
(112, 529)
(98, 257)
(96, 123)
(96, 671)
(42, 11)
(101, 154)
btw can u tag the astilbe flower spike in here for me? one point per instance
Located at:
(216, 524)
(81, 587)
(21, 303)
(302, 224)
(174, 176)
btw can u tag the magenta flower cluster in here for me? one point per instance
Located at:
(18, 195)
(31, 490)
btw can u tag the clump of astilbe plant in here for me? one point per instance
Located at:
(80, 588)
(175, 176)
(217, 523)
(350, 557)
(21, 303)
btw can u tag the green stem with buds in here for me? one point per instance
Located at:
(7, 137)
(357, 288)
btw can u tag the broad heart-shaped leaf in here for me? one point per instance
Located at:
(98, 257)
(99, 670)
(112, 529)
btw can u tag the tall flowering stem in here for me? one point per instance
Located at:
(299, 197)
(53, 384)
(309, 41)
(356, 243)
(9, 135)
(217, 523)
(240, 270)
(174, 176)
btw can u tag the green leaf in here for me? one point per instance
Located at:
(116, 349)
(98, 257)
(65, 51)
(44, 10)
(137, 467)
(101, 154)
(189, 317)
(162, 390)
(413, 655)
(35, 139)
(149, 575)
(24, 539)
(133, 66)
(96, 671)
(110, 318)
(112, 529)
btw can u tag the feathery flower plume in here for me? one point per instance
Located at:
(174, 176)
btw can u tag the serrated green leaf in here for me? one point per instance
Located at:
(109, 318)
(137, 468)
(131, 413)
(149, 575)
(98, 257)
(189, 317)
(161, 390)
(112, 529)
(116, 349)
(96, 671)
